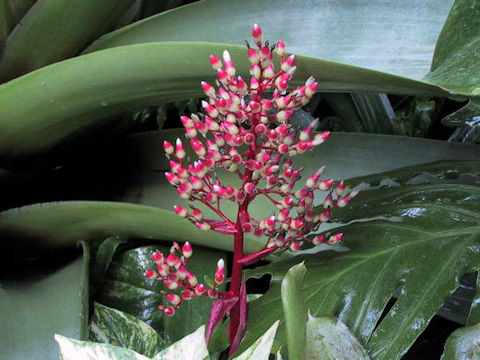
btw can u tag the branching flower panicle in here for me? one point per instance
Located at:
(247, 132)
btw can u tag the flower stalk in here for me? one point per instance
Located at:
(248, 133)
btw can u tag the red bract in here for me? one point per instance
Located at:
(246, 130)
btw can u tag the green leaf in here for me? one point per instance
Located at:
(261, 348)
(71, 349)
(33, 310)
(456, 64)
(294, 311)
(55, 30)
(474, 316)
(62, 224)
(111, 326)
(55, 106)
(428, 240)
(191, 347)
(435, 172)
(325, 37)
(103, 258)
(329, 339)
(127, 289)
(463, 344)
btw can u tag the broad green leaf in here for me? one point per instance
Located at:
(329, 339)
(430, 238)
(456, 63)
(191, 347)
(345, 155)
(62, 224)
(55, 107)
(33, 310)
(436, 172)
(127, 289)
(294, 311)
(261, 348)
(111, 326)
(71, 349)
(328, 35)
(55, 30)
(463, 344)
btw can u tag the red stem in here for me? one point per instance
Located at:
(237, 269)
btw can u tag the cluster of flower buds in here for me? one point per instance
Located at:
(251, 135)
(183, 284)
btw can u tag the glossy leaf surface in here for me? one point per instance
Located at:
(111, 326)
(463, 344)
(329, 339)
(428, 239)
(33, 310)
(294, 311)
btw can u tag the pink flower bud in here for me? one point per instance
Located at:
(158, 257)
(215, 62)
(199, 289)
(163, 269)
(173, 299)
(255, 106)
(249, 138)
(325, 184)
(257, 34)
(340, 188)
(212, 293)
(284, 115)
(242, 86)
(249, 187)
(187, 250)
(283, 148)
(311, 89)
(211, 111)
(325, 216)
(187, 294)
(191, 279)
(328, 202)
(180, 211)
(269, 72)
(171, 178)
(296, 246)
(255, 71)
(169, 310)
(168, 148)
(260, 129)
(172, 285)
(254, 84)
(296, 223)
(288, 63)
(151, 274)
(319, 239)
(197, 146)
(187, 122)
(280, 48)
(179, 150)
(220, 272)
(203, 225)
(208, 89)
(173, 260)
(334, 239)
(253, 55)
(197, 214)
(320, 138)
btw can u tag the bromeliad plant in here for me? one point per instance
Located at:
(249, 134)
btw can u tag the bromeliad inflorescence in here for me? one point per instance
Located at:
(246, 131)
